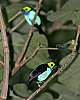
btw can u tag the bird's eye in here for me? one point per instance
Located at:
(51, 64)
(26, 9)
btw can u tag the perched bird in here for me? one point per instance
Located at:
(29, 14)
(42, 72)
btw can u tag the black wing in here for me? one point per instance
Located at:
(40, 69)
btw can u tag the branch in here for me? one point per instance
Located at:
(77, 37)
(18, 25)
(15, 16)
(49, 49)
(24, 50)
(4, 90)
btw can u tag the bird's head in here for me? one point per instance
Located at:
(51, 64)
(26, 10)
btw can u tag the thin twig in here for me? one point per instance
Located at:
(49, 49)
(4, 90)
(15, 16)
(77, 37)
(24, 50)
(17, 26)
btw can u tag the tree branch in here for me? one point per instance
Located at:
(18, 25)
(4, 90)
(15, 16)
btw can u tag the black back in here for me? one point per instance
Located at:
(36, 72)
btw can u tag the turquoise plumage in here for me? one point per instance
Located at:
(29, 16)
(44, 75)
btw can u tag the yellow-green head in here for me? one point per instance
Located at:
(26, 9)
(51, 64)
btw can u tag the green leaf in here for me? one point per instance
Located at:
(70, 11)
(60, 15)
(71, 77)
(24, 73)
(71, 5)
(14, 1)
(21, 90)
(63, 92)
(17, 43)
(11, 12)
(42, 55)
(64, 97)
(45, 96)
(1, 73)
(13, 96)
(76, 18)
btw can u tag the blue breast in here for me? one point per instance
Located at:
(44, 75)
(29, 17)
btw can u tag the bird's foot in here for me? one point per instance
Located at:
(38, 83)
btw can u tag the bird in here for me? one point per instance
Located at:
(29, 14)
(41, 73)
